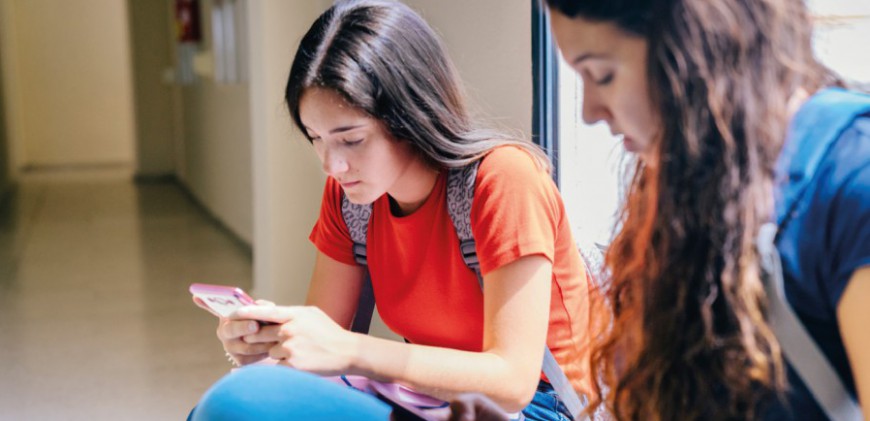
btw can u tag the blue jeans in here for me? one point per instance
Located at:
(279, 393)
(546, 406)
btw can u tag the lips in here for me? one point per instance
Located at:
(348, 184)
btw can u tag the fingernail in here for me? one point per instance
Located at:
(252, 327)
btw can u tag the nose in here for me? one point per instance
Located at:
(333, 163)
(594, 109)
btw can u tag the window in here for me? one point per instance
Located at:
(841, 38)
(590, 161)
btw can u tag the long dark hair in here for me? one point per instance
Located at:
(688, 338)
(384, 59)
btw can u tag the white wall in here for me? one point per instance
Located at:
(73, 90)
(287, 179)
(11, 89)
(215, 151)
(5, 129)
(150, 35)
(491, 43)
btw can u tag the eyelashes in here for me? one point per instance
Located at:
(343, 142)
(605, 80)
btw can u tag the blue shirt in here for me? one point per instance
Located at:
(826, 240)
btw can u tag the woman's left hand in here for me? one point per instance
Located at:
(307, 338)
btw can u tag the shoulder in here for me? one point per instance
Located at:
(849, 159)
(510, 162)
(859, 130)
(510, 176)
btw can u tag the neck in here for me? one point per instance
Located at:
(413, 187)
(797, 99)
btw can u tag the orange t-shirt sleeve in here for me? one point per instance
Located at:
(515, 212)
(330, 234)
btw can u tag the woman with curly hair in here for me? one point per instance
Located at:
(707, 94)
(715, 98)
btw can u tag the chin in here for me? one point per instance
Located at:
(359, 199)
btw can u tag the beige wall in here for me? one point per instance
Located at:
(73, 77)
(150, 40)
(491, 43)
(11, 88)
(4, 128)
(216, 147)
(287, 179)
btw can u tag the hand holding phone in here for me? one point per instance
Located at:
(220, 300)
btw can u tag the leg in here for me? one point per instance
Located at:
(271, 393)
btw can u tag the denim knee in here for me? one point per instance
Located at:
(280, 393)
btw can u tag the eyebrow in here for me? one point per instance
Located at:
(587, 56)
(344, 129)
(339, 129)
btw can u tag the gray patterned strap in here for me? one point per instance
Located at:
(356, 217)
(460, 196)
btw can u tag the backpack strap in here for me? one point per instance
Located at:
(798, 346)
(357, 217)
(815, 129)
(460, 196)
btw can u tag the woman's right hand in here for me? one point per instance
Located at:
(239, 338)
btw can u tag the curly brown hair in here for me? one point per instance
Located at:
(688, 337)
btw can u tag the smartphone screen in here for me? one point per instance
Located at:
(221, 300)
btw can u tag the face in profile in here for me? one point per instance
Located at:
(354, 148)
(613, 66)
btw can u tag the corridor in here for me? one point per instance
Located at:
(95, 318)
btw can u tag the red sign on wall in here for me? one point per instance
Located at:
(187, 21)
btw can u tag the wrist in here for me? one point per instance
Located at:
(353, 346)
(231, 359)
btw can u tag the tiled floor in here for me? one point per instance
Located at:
(95, 319)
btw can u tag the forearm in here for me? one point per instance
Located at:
(853, 314)
(444, 373)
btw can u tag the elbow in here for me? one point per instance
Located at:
(517, 395)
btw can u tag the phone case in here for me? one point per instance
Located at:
(221, 300)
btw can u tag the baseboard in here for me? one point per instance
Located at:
(241, 242)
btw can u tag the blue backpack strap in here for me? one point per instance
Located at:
(460, 196)
(814, 130)
(357, 217)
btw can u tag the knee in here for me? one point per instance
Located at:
(264, 393)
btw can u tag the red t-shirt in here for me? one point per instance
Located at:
(425, 292)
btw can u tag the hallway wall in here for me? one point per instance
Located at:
(287, 179)
(4, 128)
(215, 158)
(73, 79)
(151, 43)
(490, 41)
(10, 91)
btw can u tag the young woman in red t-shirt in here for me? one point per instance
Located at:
(374, 91)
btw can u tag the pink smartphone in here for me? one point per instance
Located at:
(221, 300)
